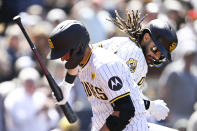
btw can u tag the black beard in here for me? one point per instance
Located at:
(144, 50)
(144, 46)
(152, 64)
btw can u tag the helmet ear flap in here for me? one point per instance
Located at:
(147, 36)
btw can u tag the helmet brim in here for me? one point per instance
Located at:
(162, 49)
(53, 54)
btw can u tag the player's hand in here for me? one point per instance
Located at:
(158, 109)
(65, 88)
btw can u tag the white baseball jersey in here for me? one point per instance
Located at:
(128, 50)
(106, 78)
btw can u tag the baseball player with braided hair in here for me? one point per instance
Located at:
(135, 54)
(133, 50)
(142, 42)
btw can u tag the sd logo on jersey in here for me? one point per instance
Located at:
(92, 76)
(132, 64)
(115, 83)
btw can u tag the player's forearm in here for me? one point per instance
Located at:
(105, 128)
(73, 71)
(71, 75)
(66, 85)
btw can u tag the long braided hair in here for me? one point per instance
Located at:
(131, 25)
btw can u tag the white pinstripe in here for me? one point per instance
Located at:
(104, 68)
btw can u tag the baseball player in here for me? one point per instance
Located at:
(116, 101)
(133, 51)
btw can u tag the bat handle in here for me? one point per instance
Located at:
(70, 115)
(68, 112)
(66, 108)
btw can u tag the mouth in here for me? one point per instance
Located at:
(149, 59)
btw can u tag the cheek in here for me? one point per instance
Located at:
(68, 55)
(62, 59)
(148, 48)
(158, 54)
(148, 51)
(65, 57)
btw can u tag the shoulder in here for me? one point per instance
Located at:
(123, 43)
(120, 38)
(126, 48)
(104, 57)
(101, 54)
(126, 42)
(106, 64)
(113, 40)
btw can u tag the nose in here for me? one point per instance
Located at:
(66, 56)
(156, 55)
(62, 59)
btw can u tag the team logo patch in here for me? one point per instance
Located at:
(92, 75)
(50, 43)
(115, 83)
(132, 64)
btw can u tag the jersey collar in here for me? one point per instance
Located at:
(86, 61)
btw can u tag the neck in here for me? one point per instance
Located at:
(87, 52)
(144, 45)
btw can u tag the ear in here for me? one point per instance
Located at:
(147, 37)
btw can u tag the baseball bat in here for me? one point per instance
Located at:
(70, 115)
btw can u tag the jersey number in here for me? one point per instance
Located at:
(94, 91)
(141, 81)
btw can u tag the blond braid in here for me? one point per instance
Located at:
(131, 25)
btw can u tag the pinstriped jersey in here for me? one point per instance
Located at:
(133, 56)
(106, 78)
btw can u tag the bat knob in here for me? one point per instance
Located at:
(17, 19)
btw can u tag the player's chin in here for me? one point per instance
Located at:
(150, 64)
(149, 60)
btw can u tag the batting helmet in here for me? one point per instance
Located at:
(164, 37)
(69, 35)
